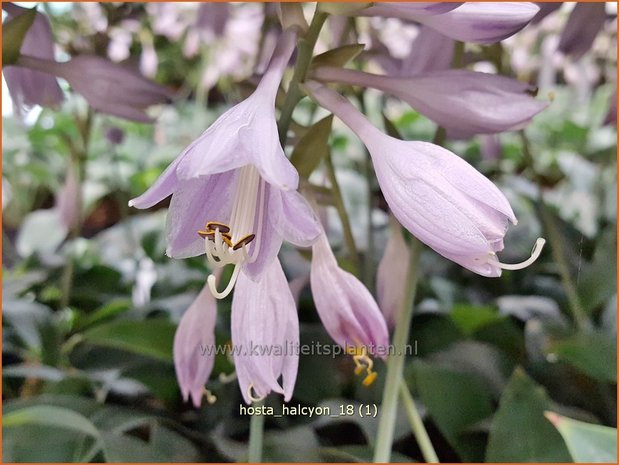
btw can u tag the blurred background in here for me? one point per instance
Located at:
(91, 303)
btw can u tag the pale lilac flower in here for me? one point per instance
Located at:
(26, 86)
(586, 20)
(149, 62)
(545, 8)
(490, 147)
(436, 195)
(212, 18)
(108, 87)
(265, 333)
(407, 10)
(194, 343)
(464, 102)
(391, 276)
(469, 22)
(236, 179)
(348, 311)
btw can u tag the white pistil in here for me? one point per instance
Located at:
(535, 253)
(249, 197)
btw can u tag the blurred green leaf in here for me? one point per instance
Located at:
(337, 57)
(50, 415)
(456, 400)
(586, 442)
(598, 281)
(593, 353)
(519, 431)
(470, 318)
(42, 231)
(13, 34)
(312, 147)
(153, 338)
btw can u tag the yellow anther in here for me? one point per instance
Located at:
(213, 225)
(244, 241)
(359, 369)
(370, 378)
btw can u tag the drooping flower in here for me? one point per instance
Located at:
(469, 22)
(30, 87)
(586, 20)
(464, 102)
(108, 87)
(236, 179)
(347, 309)
(436, 195)
(265, 333)
(194, 343)
(392, 273)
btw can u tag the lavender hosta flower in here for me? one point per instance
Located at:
(212, 18)
(265, 332)
(436, 195)
(586, 20)
(108, 87)
(392, 274)
(408, 10)
(545, 9)
(233, 189)
(347, 309)
(30, 87)
(469, 22)
(194, 337)
(464, 102)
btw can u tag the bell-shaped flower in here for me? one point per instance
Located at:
(30, 87)
(469, 22)
(464, 102)
(108, 87)
(233, 189)
(265, 335)
(440, 198)
(392, 274)
(347, 309)
(407, 10)
(586, 20)
(194, 343)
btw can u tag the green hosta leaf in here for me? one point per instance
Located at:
(519, 431)
(595, 354)
(13, 34)
(456, 401)
(337, 57)
(312, 148)
(153, 338)
(586, 442)
(470, 318)
(49, 415)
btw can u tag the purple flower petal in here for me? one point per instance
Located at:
(464, 102)
(392, 273)
(347, 309)
(194, 336)
(586, 20)
(265, 334)
(437, 196)
(297, 222)
(29, 87)
(408, 10)
(193, 204)
(431, 51)
(482, 22)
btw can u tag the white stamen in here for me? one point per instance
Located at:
(249, 196)
(253, 398)
(212, 283)
(535, 253)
